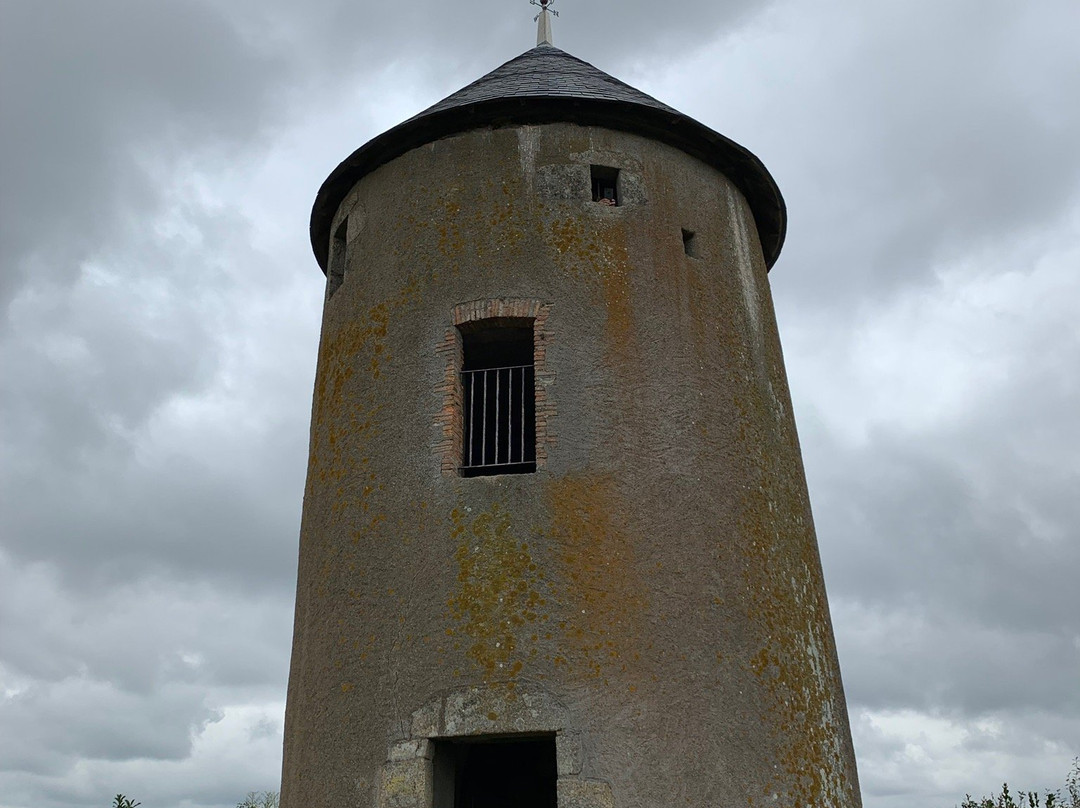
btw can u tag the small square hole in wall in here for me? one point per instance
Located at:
(495, 773)
(689, 243)
(605, 185)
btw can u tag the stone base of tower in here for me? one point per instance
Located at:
(410, 778)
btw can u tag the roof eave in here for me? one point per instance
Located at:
(738, 164)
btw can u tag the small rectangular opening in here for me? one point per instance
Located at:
(499, 397)
(495, 773)
(689, 243)
(605, 185)
(338, 252)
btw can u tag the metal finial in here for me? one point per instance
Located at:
(543, 29)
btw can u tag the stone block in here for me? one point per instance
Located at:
(484, 711)
(425, 721)
(575, 793)
(405, 784)
(397, 731)
(408, 750)
(567, 181)
(568, 753)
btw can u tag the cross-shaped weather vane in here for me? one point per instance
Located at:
(545, 5)
(543, 31)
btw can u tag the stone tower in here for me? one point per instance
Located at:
(557, 548)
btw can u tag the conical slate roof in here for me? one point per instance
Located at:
(546, 85)
(546, 72)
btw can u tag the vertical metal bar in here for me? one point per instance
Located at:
(506, 437)
(472, 411)
(511, 435)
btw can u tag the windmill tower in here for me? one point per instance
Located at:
(557, 548)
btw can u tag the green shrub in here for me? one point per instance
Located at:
(260, 799)
(1069, 797)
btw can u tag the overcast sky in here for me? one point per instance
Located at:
(160, 320)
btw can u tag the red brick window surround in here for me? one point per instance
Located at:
(450, 418)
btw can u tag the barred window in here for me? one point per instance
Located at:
(498, 393)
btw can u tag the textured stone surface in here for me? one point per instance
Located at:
(405, 784)
(585, 794)
(408, 750)
(655, 588)
(568, 753)
(427, 721)
(487, 711)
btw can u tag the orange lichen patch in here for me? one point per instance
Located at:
(349, 414)
(457, 214)
(347, 403)
(348, 346)
(500, 591)
(615, 276)
(603, 592)
(451, 237)
(343, 417)
(503, 219)
(786, 602)
(596, 252)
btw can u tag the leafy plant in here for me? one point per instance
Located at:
(260, 799)
(120, 801)
(1031, 799)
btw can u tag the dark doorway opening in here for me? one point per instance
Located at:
(496, 773)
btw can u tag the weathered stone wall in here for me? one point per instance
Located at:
(653, 594)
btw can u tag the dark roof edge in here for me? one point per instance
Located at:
(738, 164)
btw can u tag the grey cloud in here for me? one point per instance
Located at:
(941, 514)
(128, 677)
(951, 551)
(923, 138)
(51, 726)
(349, 36)
(101, 368)
(948, 579)
(82, 84)
(140, 634)
(188, 516)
